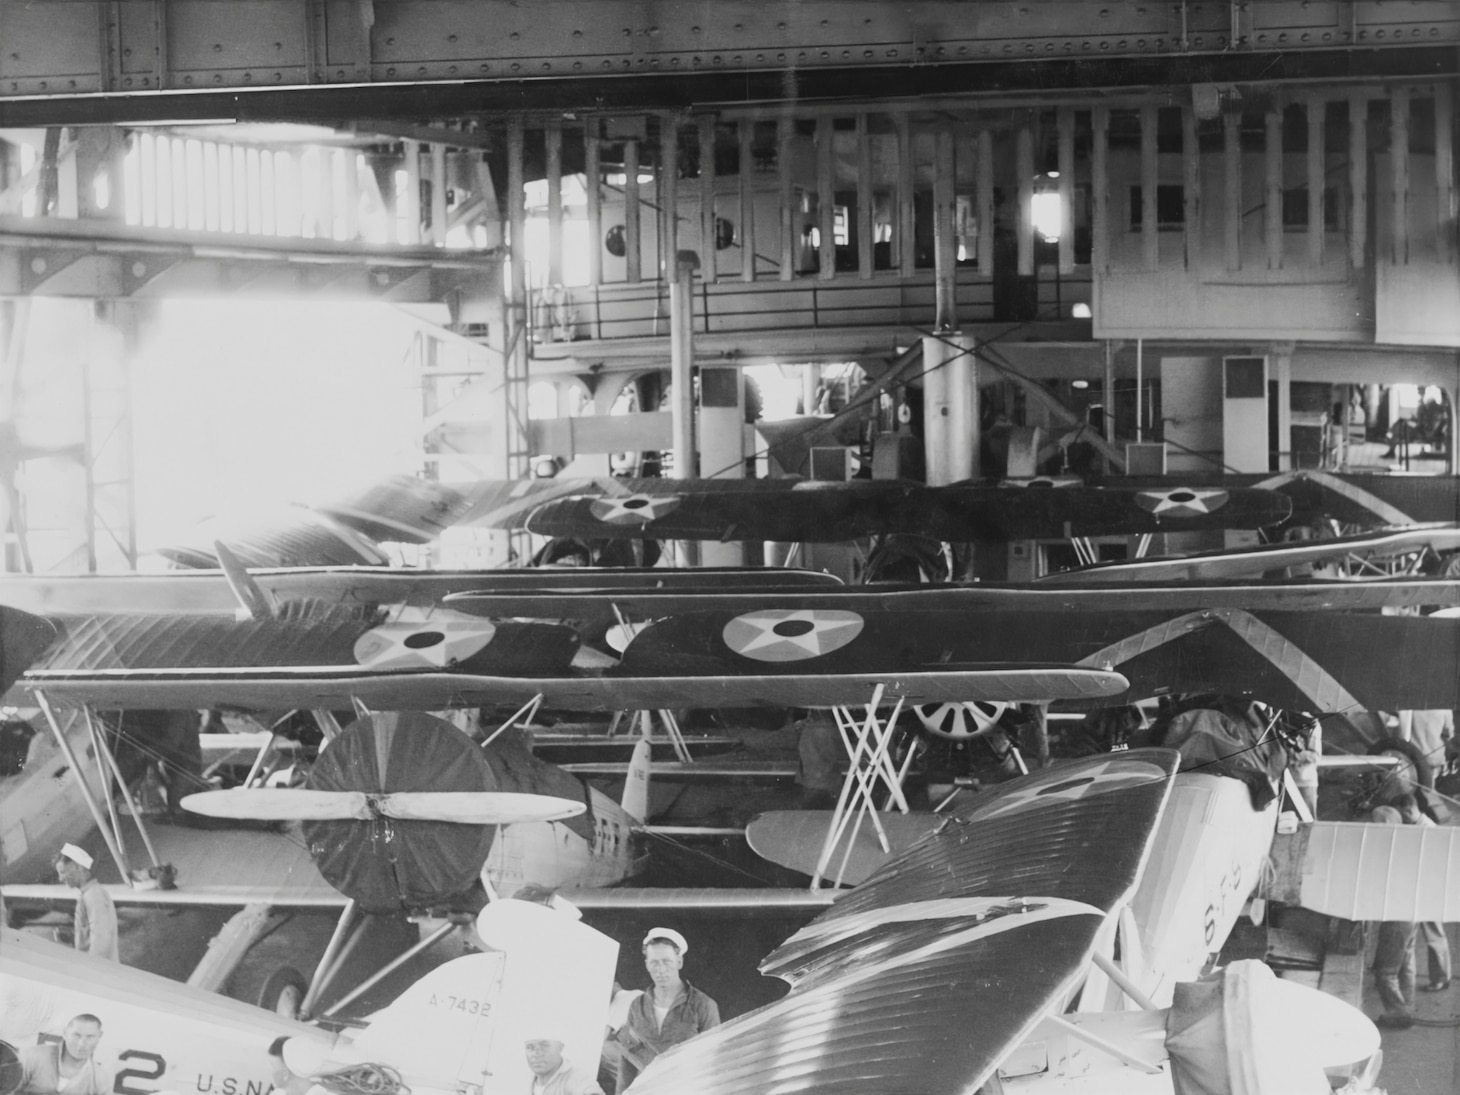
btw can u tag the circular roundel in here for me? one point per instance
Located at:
(416, 639)
(633, 509)
(1062, 785)
(1181, 502)
(791, 635)
(960, 721)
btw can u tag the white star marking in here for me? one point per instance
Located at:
(1181, 502)
(1099, 779)
(787, 635)
(633, 509)
(419, 638)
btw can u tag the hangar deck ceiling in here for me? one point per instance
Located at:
(276, 59)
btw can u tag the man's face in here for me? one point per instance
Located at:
(70, 873)
(80, 1037)
(663, 963)
(544, 1055)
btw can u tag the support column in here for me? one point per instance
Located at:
(721, 444)
(1282, 374)
(593, 186)
(945, 257)
(681, 362)
(517, 452)
(746, 135)
(633, 256)
(553, 139)
(950, 409)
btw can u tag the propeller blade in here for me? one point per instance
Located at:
(279, 804)
(477, 807)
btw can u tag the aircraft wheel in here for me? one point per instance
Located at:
(281, 992)
(960, 721)
(1414, 769)
(12, 1073)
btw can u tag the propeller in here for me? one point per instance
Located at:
(462, 807)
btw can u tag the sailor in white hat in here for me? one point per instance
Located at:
(96, 916)
(552, 1072)
(670, 1012)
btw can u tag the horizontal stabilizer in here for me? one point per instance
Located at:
(465, 807)
(1371, 872)
(794, 838)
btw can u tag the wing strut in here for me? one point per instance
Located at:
(868, 742)
(109, 822)
(390, 967)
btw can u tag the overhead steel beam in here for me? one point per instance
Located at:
(106, 260)
(102, 61)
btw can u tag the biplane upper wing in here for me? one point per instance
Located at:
(1347, 497)
(208, 591)
(1253, 561)
(922, 979)
(312, 655)
(1309, 661)
(23, 639)
(801, 510)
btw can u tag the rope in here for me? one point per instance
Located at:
(363, 1079)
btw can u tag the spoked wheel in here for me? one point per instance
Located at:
(1411, 773)
(960, 721)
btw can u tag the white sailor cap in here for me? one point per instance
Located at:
(667, 935)
(77, 855)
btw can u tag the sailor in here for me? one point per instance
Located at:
(1432, 932)
(68, 1066)
(96, 915)
(670, 1012)
(552, 1073)
(1394, 955)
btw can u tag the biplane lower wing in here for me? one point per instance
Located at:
(926, 976)
(975, 597)
(1254, 561)
(311, 687)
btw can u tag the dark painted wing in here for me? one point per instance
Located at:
(1366, 500)
(1316, 661)
(401, 509)
(1255, 561)
(23, 639)
(829, 512)
(759, 510)
(293, 537)
(997, 513)
(922, 979)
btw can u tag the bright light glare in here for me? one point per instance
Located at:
(1047, 215)
(303, 400)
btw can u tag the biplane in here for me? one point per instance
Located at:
(1306, 644)
(970, 961)
(460, 1027)
(324, 656)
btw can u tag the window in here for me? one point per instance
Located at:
(1295, 209)
(1170, 207)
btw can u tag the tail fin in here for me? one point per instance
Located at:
(253, 602)
(636, 784)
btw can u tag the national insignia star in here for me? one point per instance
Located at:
(1181, 503)
(784, 635)
(633, 507)
(1099, 780)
